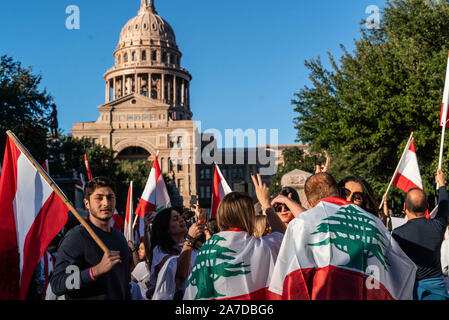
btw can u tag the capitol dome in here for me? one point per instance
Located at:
(147, 26)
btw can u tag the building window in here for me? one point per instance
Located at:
(202, 195)
(125, 58)
(134, 56)
(207, 173)
(145, 117)
(180, 186)
(208, 193)
(153, 55)
(154, 93)
(122, 118)
(164, 57)
(144, 55)
(172, 59)
(137, 118)
(202, 174)
(153, 117)
(130, 118)
(179, 166)
(224, 171)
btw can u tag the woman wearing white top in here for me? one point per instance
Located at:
(168, 239)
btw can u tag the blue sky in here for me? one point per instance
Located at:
(246, 56)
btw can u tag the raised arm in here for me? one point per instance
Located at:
(263, 195)
(443, 197)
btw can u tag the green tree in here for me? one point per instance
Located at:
(364, 108)
(294, 158)
(24, 108)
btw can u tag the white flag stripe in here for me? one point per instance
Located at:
(29, 182)
(409, 168)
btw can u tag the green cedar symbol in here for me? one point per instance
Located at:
(206, 270)
(354, 234)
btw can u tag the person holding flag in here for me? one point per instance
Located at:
(82, 269)
(233, 264)
(421, 240)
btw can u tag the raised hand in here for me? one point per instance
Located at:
(319, 168)
(262, 192)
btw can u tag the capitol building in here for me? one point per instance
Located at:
(147, 110)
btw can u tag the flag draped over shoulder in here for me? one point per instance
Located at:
(155, 195)
(219, 190)
(408, 175)
(337, 251)
(31, 215)
(233, 266)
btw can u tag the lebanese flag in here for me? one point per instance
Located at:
(89, 173)
(408, 176)
(154, 197)
(117, 221)
(31, 215)
(338, 251)
(444, 104)
(129, 215)
(219, 190)
(46, 167)
(233, 265)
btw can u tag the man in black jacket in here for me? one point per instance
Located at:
(421, 238)
(82, 270)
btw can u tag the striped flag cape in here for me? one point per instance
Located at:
(31, 215)
(337, 251)
(233, 266)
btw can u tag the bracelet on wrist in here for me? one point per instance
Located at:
(189, 243)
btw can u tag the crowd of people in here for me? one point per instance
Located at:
(161, 264)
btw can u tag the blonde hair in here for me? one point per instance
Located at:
(236, 210)
(261, 224)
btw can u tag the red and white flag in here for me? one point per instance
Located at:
(337, 251)
(154, 197)
(46, 167)
(408, 176)
(128, 229)
(31, 215)
(444, 104)
(219, 190)
(117, 221)
(89, 173)
(233, 266)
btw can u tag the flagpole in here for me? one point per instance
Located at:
(131, 211)
(397, 168)
(57, 190)
(444, 116)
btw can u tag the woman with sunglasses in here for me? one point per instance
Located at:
(356, 190)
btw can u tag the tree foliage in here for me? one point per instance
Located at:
(364, 108)
(294, 158)
(24, 108)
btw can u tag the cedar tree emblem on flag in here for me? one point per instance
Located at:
(207, 269)
(354, 233)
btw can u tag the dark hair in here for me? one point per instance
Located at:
(369, 200)
(159, 232)
(416, 205)
(319, 186)
(98, 182)
(285, 191)
(212, 226)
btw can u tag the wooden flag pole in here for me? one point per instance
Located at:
(57, 190)
(397, 168)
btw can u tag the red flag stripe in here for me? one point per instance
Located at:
(45, 227)
(403, 183)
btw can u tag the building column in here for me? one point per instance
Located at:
(174, 90)
(114, 89)
(183, 92)
(122, 86)
(163, 87)
(107, 92)
(139, 84)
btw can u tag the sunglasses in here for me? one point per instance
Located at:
(356, 196)
(278, 207)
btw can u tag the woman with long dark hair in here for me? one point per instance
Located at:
(356, 190)
(170, 238)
